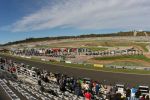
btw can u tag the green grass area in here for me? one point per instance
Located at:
(125, 63)
(132, 57)
(130, 71)
(88, 67)
(35, 58)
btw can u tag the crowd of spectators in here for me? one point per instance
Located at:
(93, 90)
(85, 87)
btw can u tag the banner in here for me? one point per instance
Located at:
(98, 65)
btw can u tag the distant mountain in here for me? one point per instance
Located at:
(130, 33)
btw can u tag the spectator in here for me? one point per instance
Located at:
(117, 96)
(128, 93)
(87, 95)
(90, 86)
(138, 94)
(90, 90)
(147, 97)
(143, 97)
(97, 87)
(133, 93)
(62, 85)
(78, 89)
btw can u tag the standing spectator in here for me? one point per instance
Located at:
(87, 95)
(84, 85)
(133, 93)
(62, 84)
(128, 93)
(91, 86)
(97, 87)
(137, 94)
(74, 84)
(78, 89)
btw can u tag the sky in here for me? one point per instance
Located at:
(21, 19)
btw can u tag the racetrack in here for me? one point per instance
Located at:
(103, 77)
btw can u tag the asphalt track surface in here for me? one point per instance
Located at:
(102, 77)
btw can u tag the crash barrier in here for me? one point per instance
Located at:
(28, 57)
(69, 62)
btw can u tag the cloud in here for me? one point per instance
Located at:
(87, 14)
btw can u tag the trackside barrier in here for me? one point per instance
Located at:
(69, 62)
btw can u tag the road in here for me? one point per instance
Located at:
(102, 77)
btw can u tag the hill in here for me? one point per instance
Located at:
(130, 33)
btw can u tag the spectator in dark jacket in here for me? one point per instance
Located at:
(62, 85)
(78, 89)
(97, 87)
(117, 96)
(128, 93)
(138, 94)
(147, 97)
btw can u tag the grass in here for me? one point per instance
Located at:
(130, 71)
(125, 63)
(125, 57)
